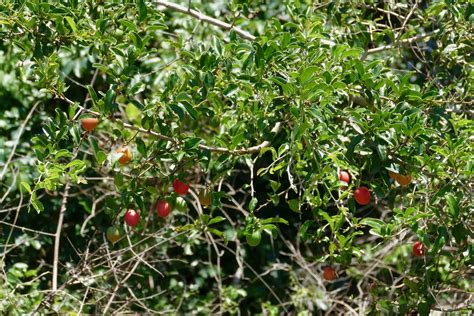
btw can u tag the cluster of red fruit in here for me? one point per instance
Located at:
(361, 194)
(362, 197)
(163, 207)
(329, 273)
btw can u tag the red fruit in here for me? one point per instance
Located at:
(418, 249)
(132, 218)
(362, 195)
(329, 274)
(163, 208)
(180, 187)
(344, 176)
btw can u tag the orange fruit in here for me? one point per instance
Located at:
(113, 234)
(205, 198)
(126, 155)
(404, 180)
(89, 123)
(393, 175)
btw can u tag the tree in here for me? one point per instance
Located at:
(257, 107)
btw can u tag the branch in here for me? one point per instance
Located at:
(402, 42)
(57, 236)
(241, 151)
(205, 18)
(22, 129)
(406, 20)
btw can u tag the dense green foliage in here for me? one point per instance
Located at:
(263, 116)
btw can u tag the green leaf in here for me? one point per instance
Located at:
(304, 229)
(190, 109)
(354, 142)
(76, 134)
(71, 23)
(118, 180)
(76, 164)
(215, 220)
(142, 10)
(92, 94)
(275, 185)
(453, 205)
(141, 147)
(460, 233)
(274, 220)
(129, 25)
(62, 153)
(412, 285)
(308, 73)
(109, 100)
(87, 205)
(294, 205)
(133, 113)
(382, 152)
(259, 56)
(101, 157)
(36, 203)
(178, 110)
(440, 241)
(373, 222)
(26, 185)
(352, 52)
(215, 232)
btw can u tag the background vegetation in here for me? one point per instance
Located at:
(262, 103)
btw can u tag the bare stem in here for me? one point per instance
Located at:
(241, 151)
(22, 129)
(402, 42)
(57, 236)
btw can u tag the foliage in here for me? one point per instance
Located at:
(262, 123)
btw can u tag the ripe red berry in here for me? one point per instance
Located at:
(163, 208)
(132, 218)
(344, 176)
(180, 187)
(418, 249)
(329, 273)
(362, 195)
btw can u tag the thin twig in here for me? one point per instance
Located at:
(22, 129)
(241, 151)
(406, 21)
(205, 18)
(402, 42)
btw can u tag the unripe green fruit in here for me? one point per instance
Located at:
(180, 204)
(254, 238)
(113, 234)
